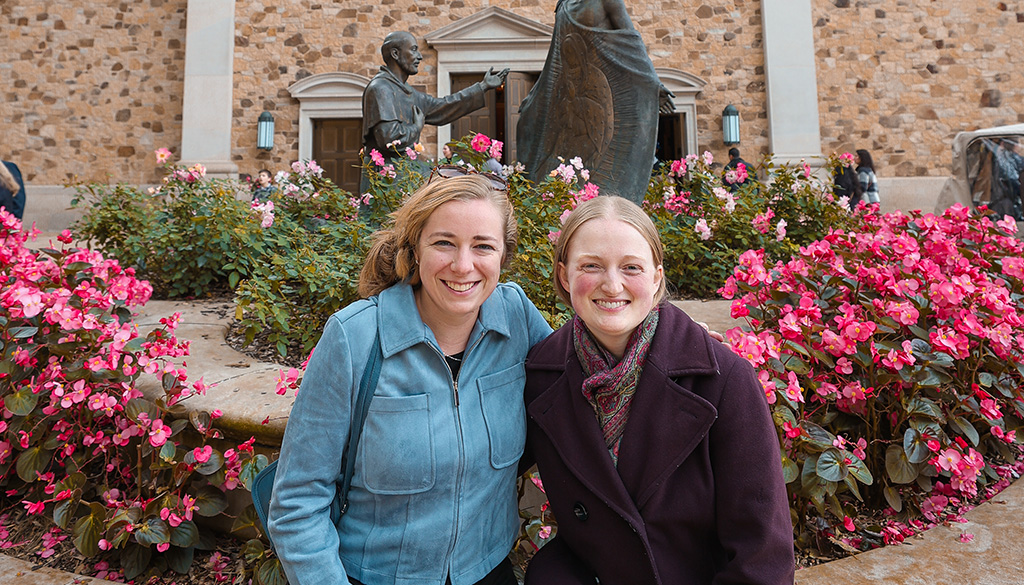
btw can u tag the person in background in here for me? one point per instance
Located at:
(1009, 168)
(12, 189)
(845, 181)
(866, 177)
(447, 156)
(433, 497)
(264, 186)
(735, 176)
(654, 442)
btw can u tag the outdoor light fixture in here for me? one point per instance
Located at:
(265, 131)
(730, 125)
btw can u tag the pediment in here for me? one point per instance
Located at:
(490, 26)
(680, 82)
(329, 85)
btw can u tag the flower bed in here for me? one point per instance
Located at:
(891, 356)
(119, 474)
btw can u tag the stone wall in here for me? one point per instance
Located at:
(90, 89)
(901, 78)
(279, 43)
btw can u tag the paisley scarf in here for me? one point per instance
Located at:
(609, 386)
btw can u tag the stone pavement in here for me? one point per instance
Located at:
(244, 390)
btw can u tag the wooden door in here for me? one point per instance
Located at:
(336, 145)
(517, 85)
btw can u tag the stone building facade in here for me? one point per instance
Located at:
(90, 90)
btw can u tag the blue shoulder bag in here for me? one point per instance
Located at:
(263, 485)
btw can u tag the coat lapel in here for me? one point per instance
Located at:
(667, 420)
(578, 439)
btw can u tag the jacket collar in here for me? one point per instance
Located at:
(667, 420)
(401, 327)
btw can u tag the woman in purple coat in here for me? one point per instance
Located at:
(654, 442)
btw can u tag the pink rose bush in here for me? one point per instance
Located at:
(891, 356)
(705, 226)
(78, 439)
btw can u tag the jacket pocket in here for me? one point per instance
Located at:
(501, 397)
(396, 451)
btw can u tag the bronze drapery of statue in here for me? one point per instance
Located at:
(598, 98)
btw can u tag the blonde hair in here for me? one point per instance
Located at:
(7, 180)
(392, 257)
(608, 207)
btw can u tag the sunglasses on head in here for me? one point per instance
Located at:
(498, 183)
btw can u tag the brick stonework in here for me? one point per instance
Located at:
(91, 89)
(901, 78)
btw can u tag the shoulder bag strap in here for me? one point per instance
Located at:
(366, 387)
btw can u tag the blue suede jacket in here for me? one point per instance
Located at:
(433, 494)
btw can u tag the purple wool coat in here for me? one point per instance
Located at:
(698, 497)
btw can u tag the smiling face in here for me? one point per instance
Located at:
(611, 278)
(459, 254)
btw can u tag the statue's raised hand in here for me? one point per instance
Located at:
(493, 80)
(665, 103)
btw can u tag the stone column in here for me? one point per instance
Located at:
(209, 72)
(792, 86)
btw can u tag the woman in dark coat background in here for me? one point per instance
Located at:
(654, 442)
(12, 189)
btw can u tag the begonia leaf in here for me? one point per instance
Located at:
(924, 406)
(250, 469)
(32, 462)
(892, 496)
(185, 535)
(89, 529)
(180, 559)
(859, 469)
(271, 573)
(817, 436)
(152, 531)
(22, 332)
(915, 446)
(790, 470)
(247, 519)
(210, 501)
(897, 466)
(135, 559)
(851, 484)
(136, 406)
(167, 452)
(22, 402)
(967, 429)
(831, 465)
(253, 549)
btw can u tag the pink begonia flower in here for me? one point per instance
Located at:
(948, 460)
(848, 524)
(553, 236)
(544, 532)
(163, 546)
(678, 167)
(162, 155)
(708, 158)
(202, 454)
(793, 390)
(286, 380)
(791, 431)
(34, 507)
(480, 142)
(411, 153)
(966, 537)
(158, 433)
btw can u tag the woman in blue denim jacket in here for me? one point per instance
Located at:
(433, 495)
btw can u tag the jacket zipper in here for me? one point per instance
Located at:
(462, 446)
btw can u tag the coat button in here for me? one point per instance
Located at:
(580, 510)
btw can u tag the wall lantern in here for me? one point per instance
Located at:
(731, 125)
(265, 131)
